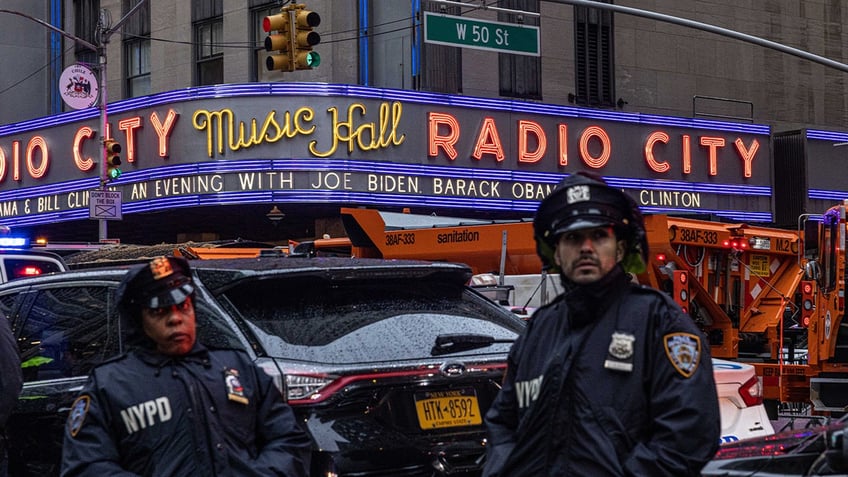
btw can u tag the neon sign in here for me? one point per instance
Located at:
(378, 147)
(444, 132)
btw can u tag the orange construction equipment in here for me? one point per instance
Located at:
(742, 282)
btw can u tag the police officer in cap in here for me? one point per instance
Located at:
(170, 406)
(611, 378)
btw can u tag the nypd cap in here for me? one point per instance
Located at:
(164, 281)
(583, 201)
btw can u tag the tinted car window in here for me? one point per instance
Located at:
(66, 332)
(8, 304)
(364, 321)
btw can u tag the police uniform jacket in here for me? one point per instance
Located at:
(208, 413)
(609, 381)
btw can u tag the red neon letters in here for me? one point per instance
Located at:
(594, 145)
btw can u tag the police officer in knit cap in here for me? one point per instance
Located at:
(171, 406)
(611, 378)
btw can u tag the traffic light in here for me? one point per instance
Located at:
(681, 293)
(113, 159)
(304, 38)
(278, 41)
(807, 303)
(290, 34)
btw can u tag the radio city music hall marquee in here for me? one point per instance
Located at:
(369, 149)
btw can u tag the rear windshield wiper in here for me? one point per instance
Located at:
(455, 343)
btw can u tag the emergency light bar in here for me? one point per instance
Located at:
(17, 242)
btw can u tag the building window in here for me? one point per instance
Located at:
(136, 35)
(520, 75)
(594, 56)
(86, 19)
(258, 71)
(208, 24)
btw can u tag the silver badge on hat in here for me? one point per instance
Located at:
(620, 352)
(578, 193)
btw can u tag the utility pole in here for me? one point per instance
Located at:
(102, 35)
(104, 32)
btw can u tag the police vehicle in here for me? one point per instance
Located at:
(740, 400)
(19, 260)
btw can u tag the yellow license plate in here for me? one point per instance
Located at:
(452, 408)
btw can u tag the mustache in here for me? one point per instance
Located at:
(585, 259)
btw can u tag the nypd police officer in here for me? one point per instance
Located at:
(170, 406)
(611, 378)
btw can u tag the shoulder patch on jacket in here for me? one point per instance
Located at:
(684, 352)
(77, 415)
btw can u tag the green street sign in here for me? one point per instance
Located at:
(481, 35)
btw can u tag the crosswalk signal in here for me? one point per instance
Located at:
(305, 38)
(113, 159)
(808, 305)
(279, 32)
(681, 293)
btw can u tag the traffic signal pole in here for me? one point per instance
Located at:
(103, 33)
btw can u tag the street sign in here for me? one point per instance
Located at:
(481, 35)
(104, 205)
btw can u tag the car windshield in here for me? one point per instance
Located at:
(366, 321)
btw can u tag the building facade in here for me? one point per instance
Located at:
(608, 68)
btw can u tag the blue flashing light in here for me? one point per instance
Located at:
(14, 242)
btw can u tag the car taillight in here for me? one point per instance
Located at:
(305, 388)
(301, 387)
(752, 392)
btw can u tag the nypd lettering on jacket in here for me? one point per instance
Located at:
(527, 392)
(146, 414)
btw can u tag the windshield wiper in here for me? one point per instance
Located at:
(455, 343)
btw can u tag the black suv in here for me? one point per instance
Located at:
(389, 365)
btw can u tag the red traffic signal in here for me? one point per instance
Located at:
(290, 35)
(278, 42)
